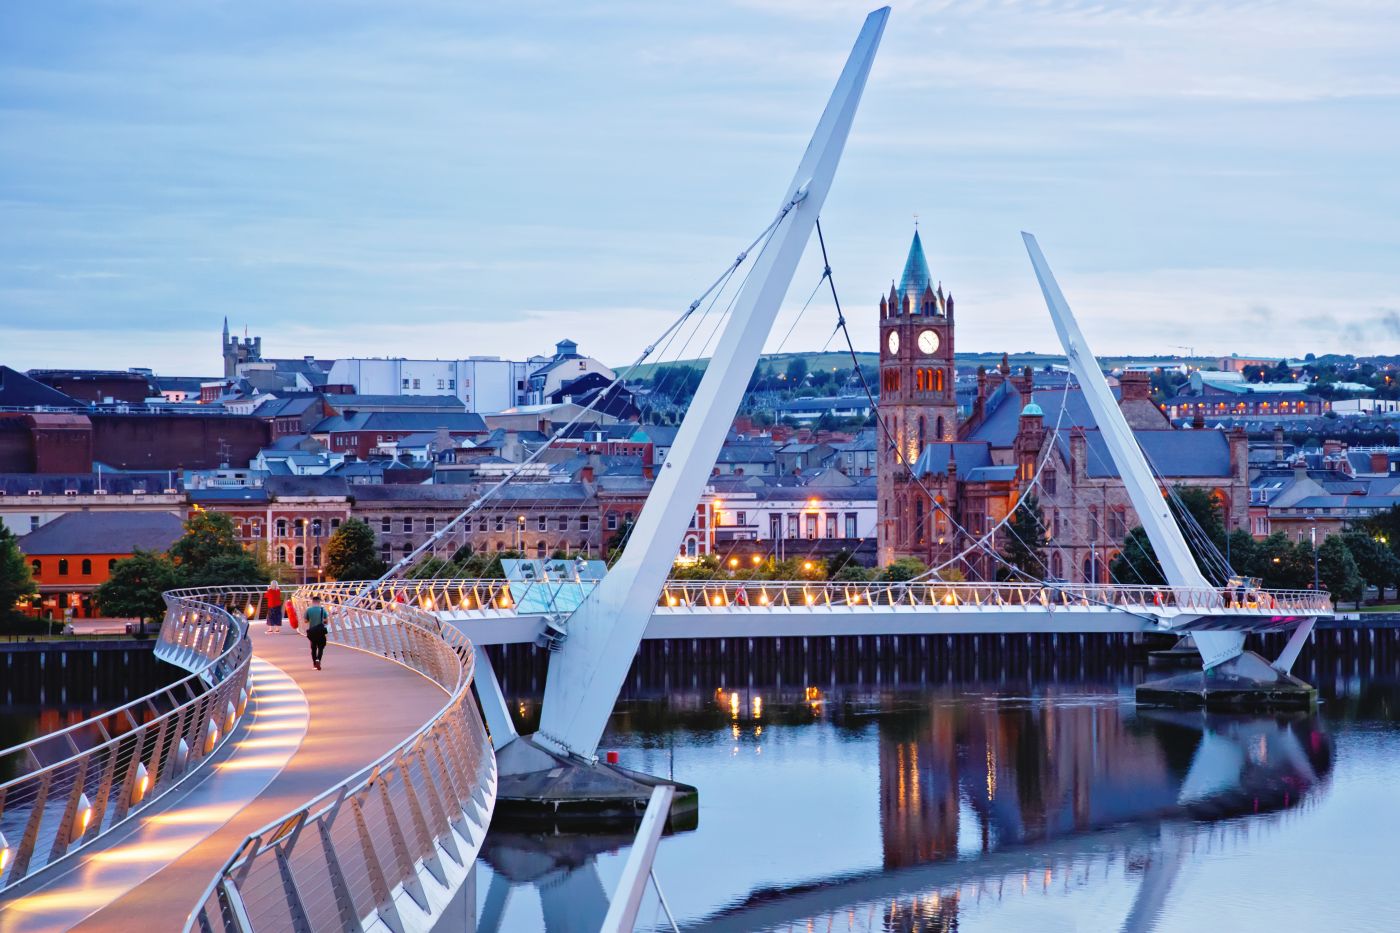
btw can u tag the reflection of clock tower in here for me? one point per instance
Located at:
(918, 401)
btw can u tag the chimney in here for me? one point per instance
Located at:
(1198, 421)
(1380, 462)
(1135, 386)
(1331, 447)
(1278, 442)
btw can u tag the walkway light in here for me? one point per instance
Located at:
(248, 610)
(230, 714)
(733, 562)
(757, 560)
(811, 599)
(83, 816)
(242, 701)
(4, 853)
(763, 599)
(182, 755)
(717, 601)
(211, 736)
(806, 565)
(671, 601)
(141, 785)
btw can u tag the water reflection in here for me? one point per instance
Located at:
(939, 802)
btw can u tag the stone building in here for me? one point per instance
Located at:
(945, 481)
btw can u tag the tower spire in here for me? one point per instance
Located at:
(916, 276)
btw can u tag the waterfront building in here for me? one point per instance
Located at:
(71, 556)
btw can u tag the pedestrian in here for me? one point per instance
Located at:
(273, 596)
(317, 628)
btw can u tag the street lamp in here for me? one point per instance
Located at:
(520, 533)
(305, 550)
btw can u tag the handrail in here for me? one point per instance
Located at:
(426, 801)
(495, 597)
(79, 783)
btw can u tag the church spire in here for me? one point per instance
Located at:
(225, 328)
(916, 276)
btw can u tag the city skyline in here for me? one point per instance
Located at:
(344, 178)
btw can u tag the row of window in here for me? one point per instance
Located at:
(298, 555)
(85, 568)
(450, 384)
(542, 548)
(295, 527)
(797, 523)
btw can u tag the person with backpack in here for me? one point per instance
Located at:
(317, 628)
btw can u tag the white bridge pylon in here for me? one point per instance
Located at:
(587, 672)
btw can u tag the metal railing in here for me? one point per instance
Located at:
(503, 598)
(391, 843)
(67, 789)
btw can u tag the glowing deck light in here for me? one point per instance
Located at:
(811, 599)
(242, 701)
(733, 562)
(230, 716)
(949, 600)
(671, 601)
(141, 784)
(717, 601)
(249, 610)
(211, 736)
(757, 560)
(763, 599)
(806, 565)
(83, 818)
(4, 853)
(182, 755)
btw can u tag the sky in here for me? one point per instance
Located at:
(444, 179)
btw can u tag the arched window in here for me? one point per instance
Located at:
(111, 564)
(540, 549)
(87, 567)
(316, 556)
(938, 380)
(282, 555)
(939, 426)
(299, 556)
(921, 434)
(37, 566)
(1057, 566)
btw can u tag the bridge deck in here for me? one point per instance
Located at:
(360, 706)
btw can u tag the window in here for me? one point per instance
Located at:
(111, 564)
(63, 566)
(385, 524)
(417, 384)
(1094, 529)
(500, 523)
(408, 525)
(384, 552)
(1117, 525)
(452, 384)
(335, 524)
(281, 528)
(37, 566)
(33, 522)
(430, 525)
(563, 523)
(87, 567)
(405, 383)
(811, 526)
(316, 528)
(612, 521)
(406, 549)
(739, 519)
(850, 524)
(298, 556)
(831, 526)
(775, 526)
(282, 555)
(442, 384)
(792, 531)
(539, 549)
(1048, 481)
(626, 516)
(583, 523)
(481, 524)
(316, 556)
(542, 523)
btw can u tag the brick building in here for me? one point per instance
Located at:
(74, 554)
(944, 481)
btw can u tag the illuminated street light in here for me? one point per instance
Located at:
(141, 785)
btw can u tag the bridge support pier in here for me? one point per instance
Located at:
(539, 786)
(1245, 682)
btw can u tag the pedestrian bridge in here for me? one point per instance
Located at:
(496, 612)
(355, 797)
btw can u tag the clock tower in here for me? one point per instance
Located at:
(918, 401)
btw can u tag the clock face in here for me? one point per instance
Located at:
(893, 342)
(928, 341)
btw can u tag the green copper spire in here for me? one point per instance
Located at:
(916, 277)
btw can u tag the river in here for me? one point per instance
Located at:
(1028, 800)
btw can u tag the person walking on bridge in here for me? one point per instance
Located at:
(317, 628)
(273, 597)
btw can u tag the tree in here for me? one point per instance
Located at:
(350, 553)
(1338, 572)
(796, 371)
(207, 535)
(232, 569)
(905, 568)
(1023, 546)
(134, 587)
(1378, 565)
(1194, 508)
(1280, 564)
(16, 582)
(852, 572)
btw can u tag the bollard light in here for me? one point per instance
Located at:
(4, 853)
(230, 714)
(242, 701)
(83, 816)
(141, 785)
(211, 736)
(182, 755)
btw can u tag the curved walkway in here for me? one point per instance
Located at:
(361, 705)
